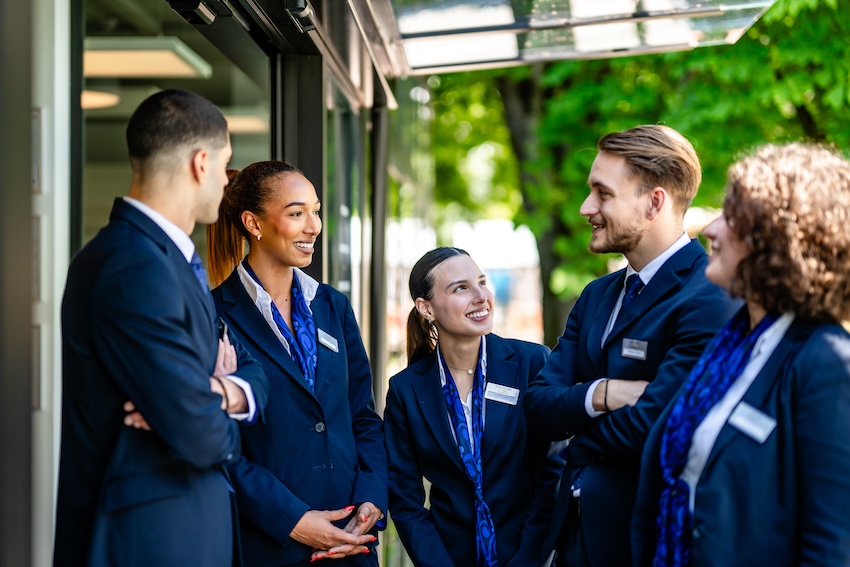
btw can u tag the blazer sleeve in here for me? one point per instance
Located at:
(251, 371)
(621, 434)
(554, 402)
(407, 493)
(821, 423)
(550, 465)
(371, 482)
(265, 501)
(141, 333)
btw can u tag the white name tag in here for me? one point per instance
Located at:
(634, 349)
(328, 341)
(752, 422)
(501, 394)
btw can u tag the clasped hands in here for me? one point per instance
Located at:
(226, 364)
(315, 528)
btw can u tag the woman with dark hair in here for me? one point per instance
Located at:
(311, 483)
(750, 463)
(454, 417)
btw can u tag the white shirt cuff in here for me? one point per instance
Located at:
(249, 395)
(588, 400)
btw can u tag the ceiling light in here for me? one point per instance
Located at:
(142, 57)
(246, 124)
(90, 100)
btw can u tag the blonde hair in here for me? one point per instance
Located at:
(658, 156)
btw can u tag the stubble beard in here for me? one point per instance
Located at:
(620, 242)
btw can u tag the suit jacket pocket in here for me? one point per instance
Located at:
(145, 487)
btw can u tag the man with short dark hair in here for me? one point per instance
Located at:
(139, 335)
(639, 328)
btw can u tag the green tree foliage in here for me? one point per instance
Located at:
(787, 78)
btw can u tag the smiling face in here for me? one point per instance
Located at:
(614, 207)
(727, 251)
(291, 223)
(461, 304)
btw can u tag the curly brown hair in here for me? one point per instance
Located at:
(791, 205)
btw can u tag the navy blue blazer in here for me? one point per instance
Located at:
(781, 502)
(314, 451)
(137, 326)
(675, 315)
(421, 445)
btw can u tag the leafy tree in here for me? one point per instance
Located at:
(787, 78)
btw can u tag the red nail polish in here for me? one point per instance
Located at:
(348, 508)
(366, 550)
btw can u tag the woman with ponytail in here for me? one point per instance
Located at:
(454, 417)
(312, 480)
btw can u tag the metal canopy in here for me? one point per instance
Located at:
(416, 37)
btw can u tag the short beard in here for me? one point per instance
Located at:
(622, 243)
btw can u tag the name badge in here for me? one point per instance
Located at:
(752, 422)
(634, 349)
(328, 341)
(501, 394)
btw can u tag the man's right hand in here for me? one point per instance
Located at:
(614, 394)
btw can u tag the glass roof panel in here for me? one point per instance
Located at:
(442, 35)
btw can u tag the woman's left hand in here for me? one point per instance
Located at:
(363, 521)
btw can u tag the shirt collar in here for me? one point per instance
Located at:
(309, 286)
(648, 271)
(175, 233)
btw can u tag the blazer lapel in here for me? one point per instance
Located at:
(326, 357)
(600, 321)
(758, 393)
(500, 370)
(665, 281)
(432, 404)
(248, 319)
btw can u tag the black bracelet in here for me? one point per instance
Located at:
(605, 399)
(227, 399)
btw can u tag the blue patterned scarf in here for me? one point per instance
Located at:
(302, 346)
(470, 455)
(721, 363)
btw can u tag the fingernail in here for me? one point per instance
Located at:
(348, 508)
(373, 538)
(366, 550)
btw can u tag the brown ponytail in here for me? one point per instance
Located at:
(225, 243)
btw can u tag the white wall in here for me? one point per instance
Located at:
(51, 211)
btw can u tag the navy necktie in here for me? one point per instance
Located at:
(633, 287)
(200, 272)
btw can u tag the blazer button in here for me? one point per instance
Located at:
(319, 427)
(696, 533)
